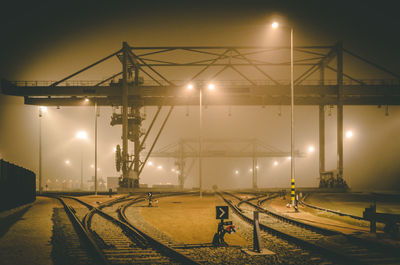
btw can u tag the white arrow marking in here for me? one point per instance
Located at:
(222, 212)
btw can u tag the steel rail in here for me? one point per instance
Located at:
(155, 243)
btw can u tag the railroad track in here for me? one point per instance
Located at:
(116, 241)
(335, 245)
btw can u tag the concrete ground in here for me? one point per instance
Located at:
(27, 234)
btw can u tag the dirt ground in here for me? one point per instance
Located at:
(189, 219)
(95, 200)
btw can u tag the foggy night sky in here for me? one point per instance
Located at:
(52, 39)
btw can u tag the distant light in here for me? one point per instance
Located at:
(150, 163)
(189, 87)
(256, 167)
(276, 163)
(211, 86)
(236, 172)
(67, 162)
(92, 166)
(289, 158)
(159, 167)
(177, 172)
(311, 149)
(43, 108)
(98, 169)
(86, 100)
(81, 135)
(173, 169)
(114, 149)
(275, 25)
(251, 170)
(349, 134)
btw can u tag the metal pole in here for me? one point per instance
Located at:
(292, 164)
(200, 132)
(95, 147)
(81, 167)
(125, 159)
(40, 150)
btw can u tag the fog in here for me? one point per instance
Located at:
(370, 156)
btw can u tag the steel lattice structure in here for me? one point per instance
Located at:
(157, 76)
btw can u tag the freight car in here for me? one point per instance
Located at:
(17, 185)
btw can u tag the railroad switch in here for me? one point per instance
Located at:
(218, 240)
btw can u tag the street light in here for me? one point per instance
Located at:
(82, 135)
(42, 109)
(275, 25)
(349, 134)
(211, 87)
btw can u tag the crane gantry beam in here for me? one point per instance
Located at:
(254, 79)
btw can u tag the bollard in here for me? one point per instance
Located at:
(256, 234)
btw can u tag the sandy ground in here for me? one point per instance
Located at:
(189, 219)
(95, 200)
(312, 217)
(29, 238)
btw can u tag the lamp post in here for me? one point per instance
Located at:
(41, 110)
(83, 136)
(211, 87)
(95, 146)
(292, 160)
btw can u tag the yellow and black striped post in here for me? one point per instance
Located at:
(293, 192)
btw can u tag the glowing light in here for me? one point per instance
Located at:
(114, 149)
(256, 167)
(67, 162)
(43, 108)
(349, 134)
(311, 149)
(92, 166)
(150, 163)
(275, 25)
(86, 100)
(276, 163)
(289, 158)
(236, 172)
(81, 135)
(159, 167)
(211, 86)
(173, 169)
(189, 87)
(251, 170)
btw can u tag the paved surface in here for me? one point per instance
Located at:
(28, 239)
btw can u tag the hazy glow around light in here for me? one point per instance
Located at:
(349, 134)
(211, 86)
(189, 86)
(236, 172)
(114, 149)
(150, 163)
(43, 108)
(275, 25)
(173, 169)
(159, 167)
(256, 167)
(81, 135)
(289, 158)
(86, 100)
(251, 170)
(67, 162)
(276, 163)
(311, 149)
(92, 166)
